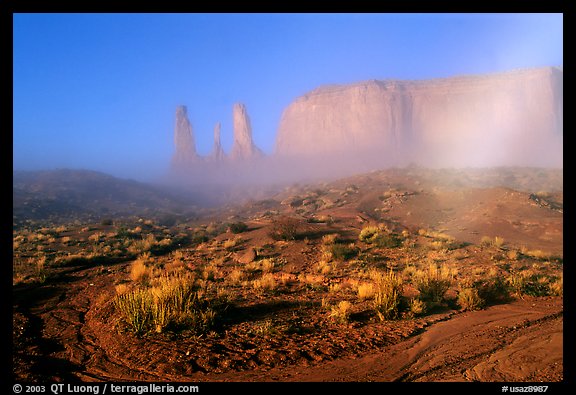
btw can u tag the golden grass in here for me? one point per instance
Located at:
(366, 291)
(265, 283)
(236, 276)
(341, 311)
(387, 296)
(330, 238)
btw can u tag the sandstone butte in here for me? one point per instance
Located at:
(512, 118)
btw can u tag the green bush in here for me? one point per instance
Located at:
(343, 252)
(379, 237)
(284, 228)
(493, 290)
(368, 234)
(238, 227)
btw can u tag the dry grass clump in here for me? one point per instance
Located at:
(497, 241)
(266, 283)
(173, 302)
(236, 276)
(469, 299)
(324, 267)
(416, 307)
(341, 312)
(312, 280)
(557, 286)
(537, 254)
(386, 300)
(433, 284)
(379, 236)
(341, 252)
(139, 270)
(142, 245)
(230, 244)
(368, 234)
(530, 282)
(267, 265)
(366, 291)
(330, 238)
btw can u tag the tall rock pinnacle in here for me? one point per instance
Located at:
(243, 146)
(217, 151)
(184, 142)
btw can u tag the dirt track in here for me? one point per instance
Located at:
(61, 333)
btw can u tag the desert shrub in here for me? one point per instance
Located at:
(387, 240)
(537, 254)
(379, 237)
(493, 290)
(330, 238)
(177, 303)
(557, 286)
(139, 272)
(238, 227)
(416, 307)
(343, 252)
(236, 276)
(386, 301)
(265, 283)
(497, 241)
(106, 222)
(368, 234)
(324, 267)
(230, 244)
(366, 291)
(341, 312)
(136, 308)
(469, 299)
(145, 244)
(172, 303)
(284, 228)
(532, 284)
(267, 265)
(322, 219)
(433, 284)
(199, 237)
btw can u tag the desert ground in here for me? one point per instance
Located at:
(395, 275)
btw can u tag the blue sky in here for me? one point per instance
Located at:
(99, 91)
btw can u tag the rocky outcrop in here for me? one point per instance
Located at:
(512, 118)
(243, 147)
(185, 146)
(187, 160)
(217, 153)
(505, 119)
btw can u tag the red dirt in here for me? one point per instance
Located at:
(68, 328)
(519, 341)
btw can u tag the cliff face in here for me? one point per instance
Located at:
(512, 118)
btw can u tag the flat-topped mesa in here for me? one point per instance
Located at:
(185, 146)
(511, 118)
(217, 153)
(243, 147)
